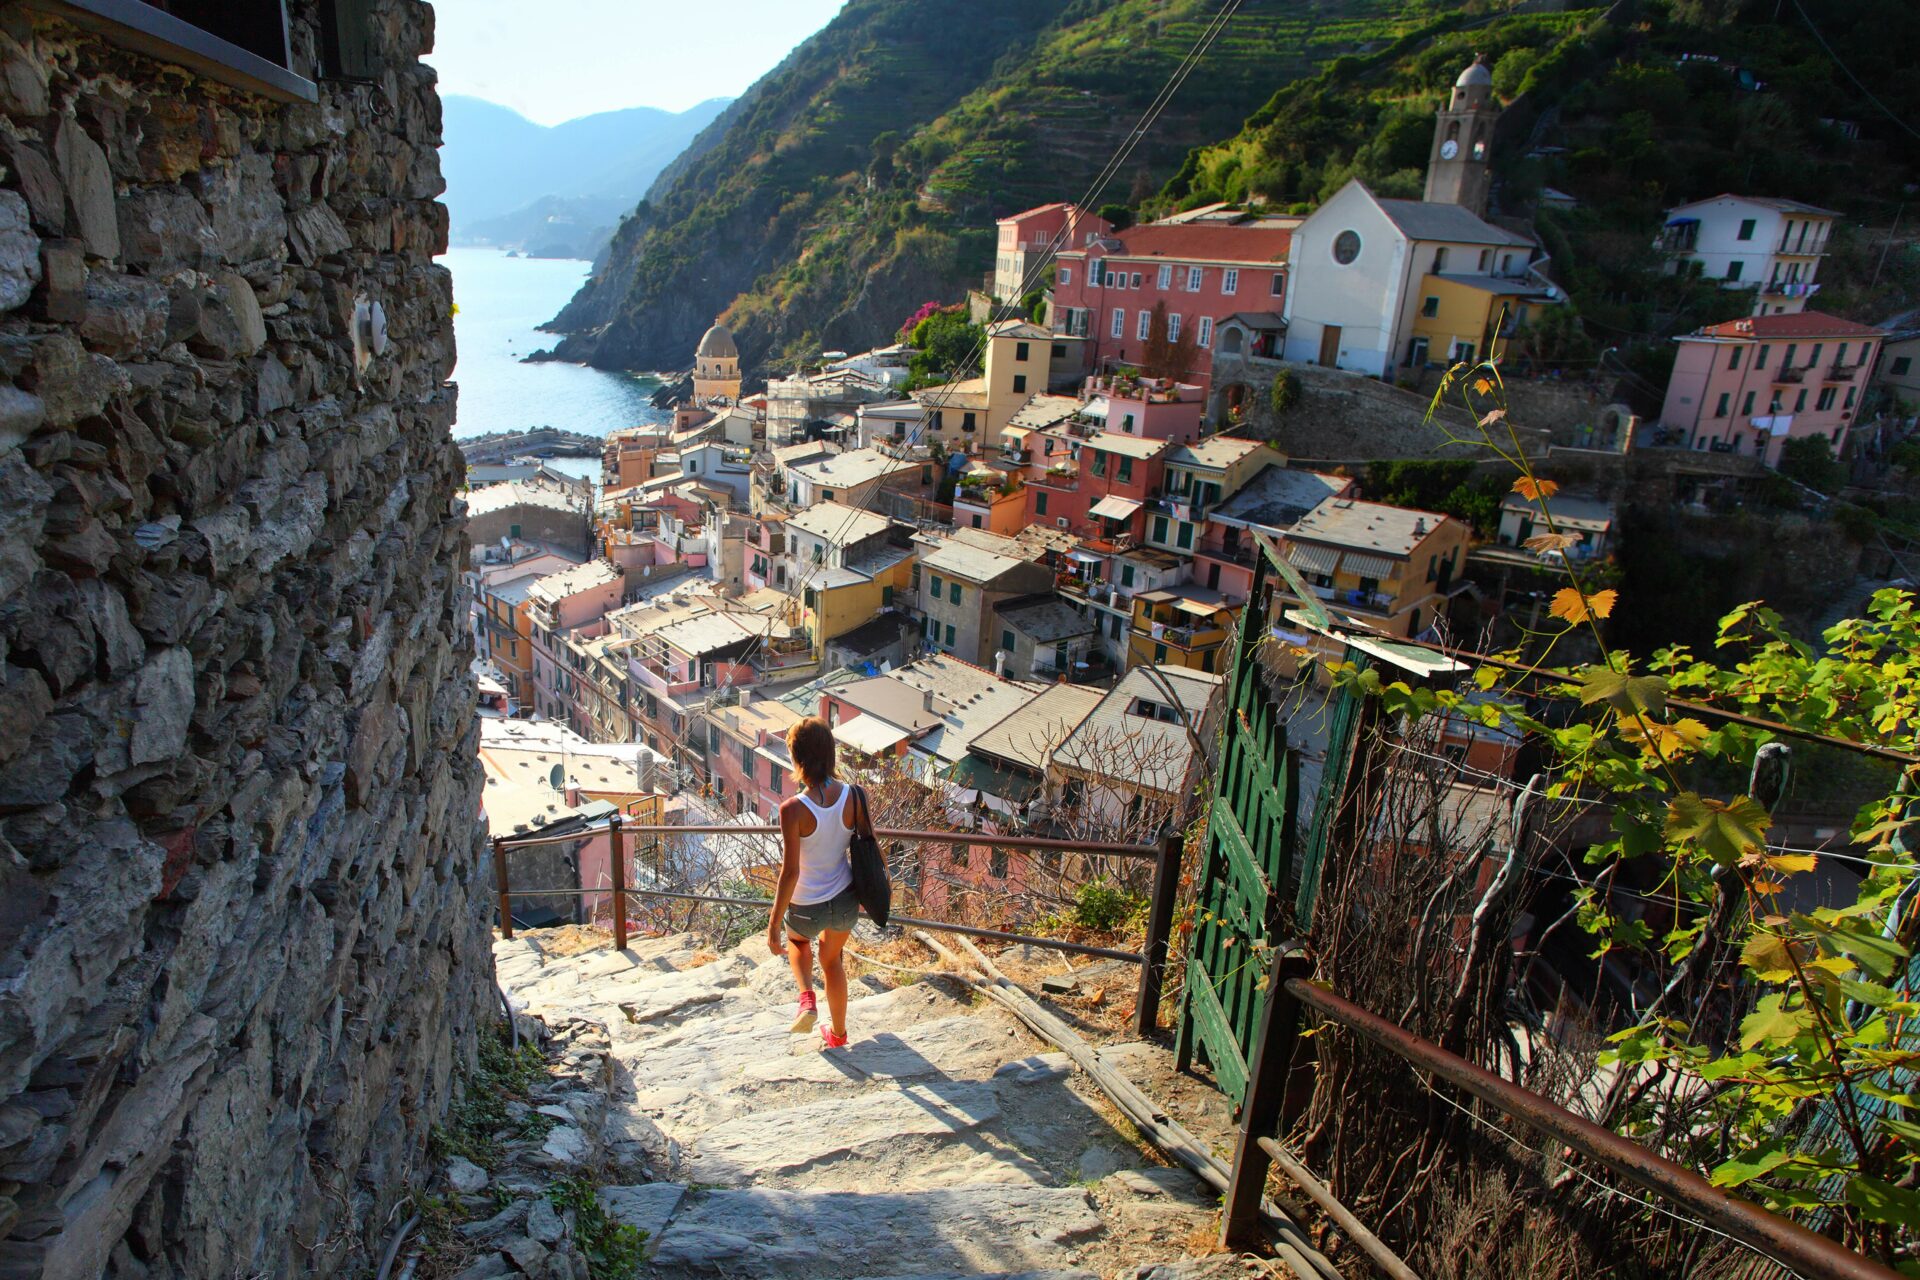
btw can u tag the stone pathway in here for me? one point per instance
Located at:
(944, 1142)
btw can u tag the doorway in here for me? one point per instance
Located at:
(1330, 345)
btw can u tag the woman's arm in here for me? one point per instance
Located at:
(789, 876)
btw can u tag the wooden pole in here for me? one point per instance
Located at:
(1266, 1092)
(619, 883)
(1153, 969)
(500, 882)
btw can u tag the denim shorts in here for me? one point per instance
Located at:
(838, 913)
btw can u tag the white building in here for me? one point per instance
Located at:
(1772, 247)
(1357, 264)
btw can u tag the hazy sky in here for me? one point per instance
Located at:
(559, 59)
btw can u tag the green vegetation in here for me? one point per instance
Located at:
(503, 1074)
(1810, 460)
(1610, 113)
(950, 347)
(1790, 1078)
(866, 171)
(1105, 907)
(614, 1250)
(1286, 391)
(1467, 491)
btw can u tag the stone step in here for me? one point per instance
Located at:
(971, 1231)
(763, 1145)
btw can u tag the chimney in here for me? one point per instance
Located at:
(1420, 527)
(1000, 663)
(573, 795)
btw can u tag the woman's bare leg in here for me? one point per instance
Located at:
(833, 973)
(800, 953)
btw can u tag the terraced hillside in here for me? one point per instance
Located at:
(863, 175)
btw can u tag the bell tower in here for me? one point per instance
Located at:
(1459, 168)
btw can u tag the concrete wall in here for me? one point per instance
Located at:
(243, 918)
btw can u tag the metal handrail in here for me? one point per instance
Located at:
(1152, 957)
(1036, 844)
(1779, 1239)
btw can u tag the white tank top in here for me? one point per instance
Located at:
(825, 868)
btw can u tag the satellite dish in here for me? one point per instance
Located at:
(557, 778)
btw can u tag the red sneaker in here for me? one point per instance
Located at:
(831, 1039)
(808, 1015)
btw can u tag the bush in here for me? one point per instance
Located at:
(1104, 907)
(1118, 214)
(1286, 391)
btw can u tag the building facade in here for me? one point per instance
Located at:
(1770, 247)
(1747, 386)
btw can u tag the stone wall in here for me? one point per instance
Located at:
(243, 930)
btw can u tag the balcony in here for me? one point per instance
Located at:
(1189, 638)
(1797, 373)
(1352, 598)
(1839, 372)
(1797, 245)
(1245, 557)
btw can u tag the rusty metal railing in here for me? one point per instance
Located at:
(1152, 957)
(1778, 1239)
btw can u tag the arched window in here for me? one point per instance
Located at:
(1230, 341)
(1480, 143)
(1453, 131)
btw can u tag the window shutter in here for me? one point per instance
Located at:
(346, 34)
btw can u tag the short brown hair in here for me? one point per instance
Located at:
(810, 743)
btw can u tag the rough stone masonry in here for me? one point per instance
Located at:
(243, 932)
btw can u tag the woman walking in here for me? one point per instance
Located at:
(814, 906)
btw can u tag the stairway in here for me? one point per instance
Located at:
(943, 1142)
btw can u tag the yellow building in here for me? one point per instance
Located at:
(847, 564)
(1182, 627)
(1390, 568)
(1023, 361)
(1460, 316)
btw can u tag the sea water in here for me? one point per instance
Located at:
(500, 300)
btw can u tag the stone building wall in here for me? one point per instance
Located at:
(243, 919)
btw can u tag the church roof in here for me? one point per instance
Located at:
(717, 344)
(1477, 72)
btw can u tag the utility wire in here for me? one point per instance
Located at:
(1848, 72)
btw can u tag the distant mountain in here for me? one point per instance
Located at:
(564, 187)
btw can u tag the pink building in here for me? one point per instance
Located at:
(1153, 409)
(1026, 237)
(1747, 386)
(574, 601)
(1204, 271)
(1093, 484)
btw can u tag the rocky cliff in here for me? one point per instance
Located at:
(242, 934)
(863, 175)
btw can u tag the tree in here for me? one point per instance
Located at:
(1118, 214)
(949, 347)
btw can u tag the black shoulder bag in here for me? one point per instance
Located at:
(870, 884)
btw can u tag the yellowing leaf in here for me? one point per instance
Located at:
(1724, 829)
(1533, 489)
(1770, 957)
(1492, 416)
(1626, 694)
(1576, 608)
(1481, 386)
(1788, 863)
(1551, 541)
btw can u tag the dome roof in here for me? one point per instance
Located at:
(717, 344)
(1477, 73)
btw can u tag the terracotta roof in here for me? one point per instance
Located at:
(1804, 324)
(1767, 202)
(1205, 242)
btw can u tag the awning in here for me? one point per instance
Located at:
(1312, 559)
(1366, 566)
(1114, 508)
(1094, 408)
(869, 735)
(1086, 557)
(1198, 607)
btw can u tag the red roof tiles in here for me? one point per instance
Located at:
(1804, 324)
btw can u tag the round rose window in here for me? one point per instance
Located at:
(1346, 247)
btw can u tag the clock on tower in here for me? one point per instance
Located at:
(1458, 171)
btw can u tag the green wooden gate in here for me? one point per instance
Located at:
(1247, 872)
